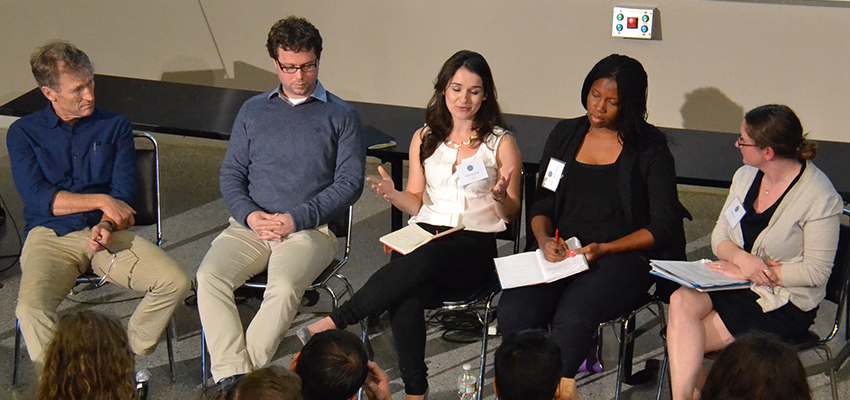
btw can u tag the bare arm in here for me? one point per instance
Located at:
(636, 241)
(116, 211)
(506, 190)
(410, 199)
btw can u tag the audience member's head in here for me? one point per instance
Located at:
(90, 358)
(777, 127)
(270, 383)
(333, 365)
(528, 367)
(757, 367)
(294, 34)
(55, 58)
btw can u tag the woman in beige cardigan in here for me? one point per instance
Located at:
(779, 230)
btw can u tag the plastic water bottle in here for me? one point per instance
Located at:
(143, 377)
(467, 383)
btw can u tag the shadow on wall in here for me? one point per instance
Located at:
(246, 77)
(708, 109)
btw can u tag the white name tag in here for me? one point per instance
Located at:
(472, 172)
(553, 174)
(735, 212)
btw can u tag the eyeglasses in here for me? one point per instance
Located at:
(740, 142)
(102, 280)
(305, 68)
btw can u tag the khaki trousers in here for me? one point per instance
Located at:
(237, 255)
(50, 266)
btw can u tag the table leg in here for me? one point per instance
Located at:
(397, 174)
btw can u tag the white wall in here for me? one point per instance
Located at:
(715, 59)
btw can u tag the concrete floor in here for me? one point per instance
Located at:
(194, 214)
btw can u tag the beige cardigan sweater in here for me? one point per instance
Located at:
(802, 235)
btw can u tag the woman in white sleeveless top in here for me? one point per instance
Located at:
(463, 125)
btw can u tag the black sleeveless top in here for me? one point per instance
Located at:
(593, 210)
(753, 223)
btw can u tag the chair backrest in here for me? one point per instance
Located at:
(837, 285)
(148, 207)
(839, 280)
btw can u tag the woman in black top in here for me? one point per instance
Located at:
(617, 195)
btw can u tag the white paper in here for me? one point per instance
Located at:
(519, 270)
(694, 274)
(532, 268)
(561, 269)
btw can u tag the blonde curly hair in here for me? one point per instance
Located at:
(90, 358)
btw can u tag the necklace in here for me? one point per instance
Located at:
(783, 182)
(464, 143)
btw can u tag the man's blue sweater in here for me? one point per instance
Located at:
(306, 160)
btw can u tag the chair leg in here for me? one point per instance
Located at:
(203, 360)
(483, 348)
(622, 361)
(831, 372)
(348, 288)
(169, 335)
(364, 336)
(662, 375)
(16, 353)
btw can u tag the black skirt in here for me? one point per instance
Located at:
(742, 314)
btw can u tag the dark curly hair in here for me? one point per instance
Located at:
(90, 358)
(294, 34)
(437, 115)
(777, 126)
(631, 80)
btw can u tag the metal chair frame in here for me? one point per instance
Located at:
(141, 219)
(259, 282)
(628, 333)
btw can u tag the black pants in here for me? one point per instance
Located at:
(575, 306)
(440, 270)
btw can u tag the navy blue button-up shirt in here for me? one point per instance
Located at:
(95, 155)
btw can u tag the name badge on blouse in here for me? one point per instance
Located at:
(735, 212)
(553, 174)
(471, 172)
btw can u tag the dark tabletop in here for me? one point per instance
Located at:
(702, 158)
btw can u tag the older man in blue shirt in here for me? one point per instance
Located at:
(295, 161)
(74, 167)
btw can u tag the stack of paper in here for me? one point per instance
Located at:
(695, 275)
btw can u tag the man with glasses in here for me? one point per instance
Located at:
(75, 169)
(294, 162)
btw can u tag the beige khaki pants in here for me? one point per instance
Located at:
(237, 255)
(50, 266)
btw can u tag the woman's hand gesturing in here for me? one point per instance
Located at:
(385, 187)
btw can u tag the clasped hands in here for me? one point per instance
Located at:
(274, 227)
(749, 268)
(117, 215)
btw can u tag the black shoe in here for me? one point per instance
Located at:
(227, 384)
